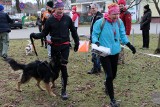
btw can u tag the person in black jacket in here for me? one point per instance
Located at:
(4, 30)
(145, 26)
(58, 26)
(95, 59)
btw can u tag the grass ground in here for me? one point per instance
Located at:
(136, 83)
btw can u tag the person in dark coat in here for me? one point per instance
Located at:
(4, 30)
(58, 26)
(145, 26)
(95, 58)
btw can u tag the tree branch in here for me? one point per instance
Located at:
(130, 6)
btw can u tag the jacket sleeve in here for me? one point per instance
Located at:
(96, 31)
(9, 19)
(73, 32)
(122, 32)
(128, 20)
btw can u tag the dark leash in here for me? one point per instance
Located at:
(34, 47)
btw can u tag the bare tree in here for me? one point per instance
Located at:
(38, 3)
(17, 6)
(156, 2)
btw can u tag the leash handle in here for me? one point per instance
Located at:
(34, 47)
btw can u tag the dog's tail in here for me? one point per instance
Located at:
(15, 65)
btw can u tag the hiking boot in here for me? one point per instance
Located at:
(64, 95)
(114, 104)
(92, 71)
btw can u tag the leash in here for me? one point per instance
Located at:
(34, 47)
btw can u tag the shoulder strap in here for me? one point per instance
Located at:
(101, 27)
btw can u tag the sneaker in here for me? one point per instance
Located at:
(114, 104)
(64, 96)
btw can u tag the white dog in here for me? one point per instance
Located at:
(29, 48)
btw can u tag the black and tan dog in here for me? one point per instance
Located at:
(40, 70)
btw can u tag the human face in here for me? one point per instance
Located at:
(121, 6)
(59, 10)
(114, 16)
(94, 9)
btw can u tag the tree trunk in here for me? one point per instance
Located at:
(17, 6)
(157, 51)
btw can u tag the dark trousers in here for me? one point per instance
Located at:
(96, 62)
(145, 35)
(109, 64)
(61, 52)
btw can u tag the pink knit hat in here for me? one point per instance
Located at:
(122, 2)
(113, 9)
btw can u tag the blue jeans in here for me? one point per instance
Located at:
(96, 62)
(4, 43)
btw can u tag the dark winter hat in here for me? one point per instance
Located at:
(50, 4)
(146, 7)
(1, 7)
(58, 3)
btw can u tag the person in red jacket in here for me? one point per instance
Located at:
(125, 16)
(75, 17)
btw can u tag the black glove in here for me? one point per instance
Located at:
(131, 47)
(97, 43)
(76, 46)
(33, 35)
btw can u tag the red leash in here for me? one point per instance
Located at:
(59, 44)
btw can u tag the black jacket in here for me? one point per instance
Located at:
(4, 22)
(59, 30)
(146, 20)
(93, 20)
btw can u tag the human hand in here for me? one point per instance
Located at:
(76, 46)
(97, 43)
(131, 47)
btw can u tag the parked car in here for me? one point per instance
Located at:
(17, 22)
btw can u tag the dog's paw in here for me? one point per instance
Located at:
(52, 94)
(19, 90)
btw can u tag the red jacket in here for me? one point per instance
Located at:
(75, 15)
(126, 18)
